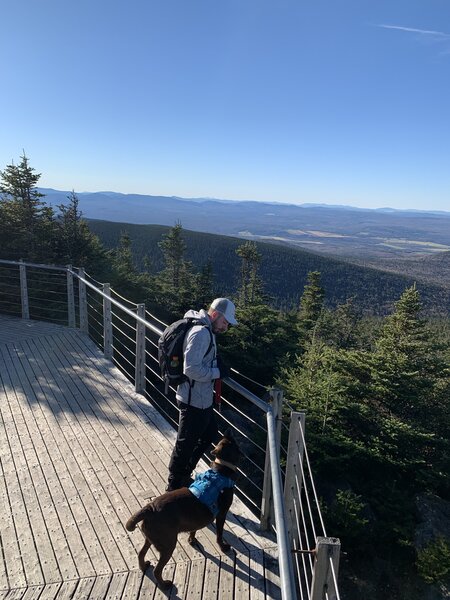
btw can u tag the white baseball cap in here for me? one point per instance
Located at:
(226, 308)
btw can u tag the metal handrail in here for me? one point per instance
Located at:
(37, 265)
(286, 567)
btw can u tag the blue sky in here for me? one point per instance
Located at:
(333, 101)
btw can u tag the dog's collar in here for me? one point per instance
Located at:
(225, 463)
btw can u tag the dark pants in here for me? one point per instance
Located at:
(196, 430)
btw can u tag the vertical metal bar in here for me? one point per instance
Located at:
(70, 298)
(24, 292)
(139, 378)
(107, 323)
(327, 551)
(293, 471)
(276, 397)
(84, 322)
(287, 581)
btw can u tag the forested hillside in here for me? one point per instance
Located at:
(283, 269)
(434, 269)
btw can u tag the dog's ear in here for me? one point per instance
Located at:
(217, 448)
(228, 434)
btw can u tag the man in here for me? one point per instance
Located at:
(197, 427)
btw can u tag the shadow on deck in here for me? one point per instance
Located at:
(79, 452)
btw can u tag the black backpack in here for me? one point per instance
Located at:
(170, 351)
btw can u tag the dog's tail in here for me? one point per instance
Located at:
(136, 518)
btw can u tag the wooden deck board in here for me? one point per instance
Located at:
(45, 517)
(256, 573)
(83, 589)
(50, 591)
(79, 452)
(13, 470)
(180, 580)
(65, 461)
(226, 579)
(104, 463)
(33, 593)
(133, 586)
(100, 587)
(271, 574)
(118, 455)
(147, 459)
(211, 578)
(165, 443)
(196, 578)
(117, 586)
(242, 577)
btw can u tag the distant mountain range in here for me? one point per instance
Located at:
(365, 234)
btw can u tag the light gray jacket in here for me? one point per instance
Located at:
(200, 367)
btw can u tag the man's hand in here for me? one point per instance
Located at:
(223, 368)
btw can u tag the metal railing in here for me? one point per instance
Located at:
(284, 499)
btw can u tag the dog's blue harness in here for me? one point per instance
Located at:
(207, 487)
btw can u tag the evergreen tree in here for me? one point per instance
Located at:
(404, 362)
(346, 325)
(204, 291)
(176, 283)
(259, 343)
(78, 246)
(311, 307)
(251, 287)
(124, 276)
(382, 412)
(411, 384)
(28, 223)
(123, 257)
(173, 248)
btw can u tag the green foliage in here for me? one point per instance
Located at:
(28, 227)
(381, 411)
(31, 231)
(205, 283)
(433, 562)
(346, 517)
(77, 245)
(283, 269)
(376, 390)
(178, 287)
(259, 342)
(311, 308)
(251, 288)
(341, 327)
(311, 302)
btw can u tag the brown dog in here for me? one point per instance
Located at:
(167, 515)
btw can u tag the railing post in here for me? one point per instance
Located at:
(276, 397)
(323, 581)
(24, 292)
(84, 322)
(139, 377)
(70, 298)
(107, 324)
(294, 472)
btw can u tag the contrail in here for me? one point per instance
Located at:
(421, 31)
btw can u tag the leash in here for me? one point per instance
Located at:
(225, 463)
(218, 394)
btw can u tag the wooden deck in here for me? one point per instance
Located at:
(79, 452)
